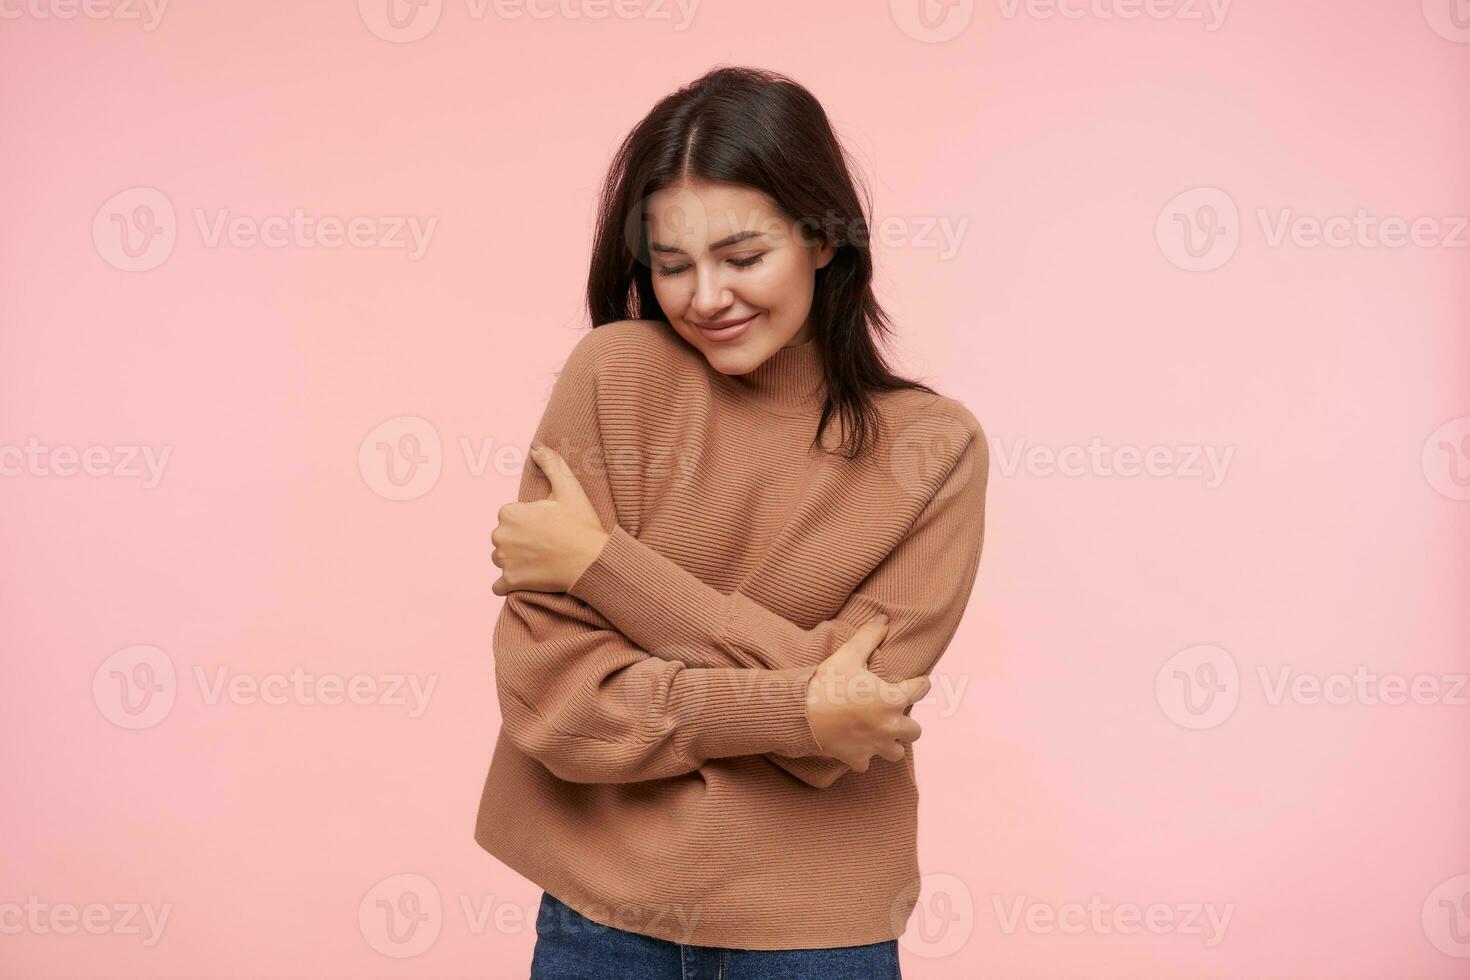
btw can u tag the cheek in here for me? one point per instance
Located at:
(669, 293)
(779, 282)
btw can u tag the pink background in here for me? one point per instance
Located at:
(1056, 772)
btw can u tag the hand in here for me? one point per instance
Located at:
(854, 713)
(546, 545)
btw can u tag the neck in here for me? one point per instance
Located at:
(790, 380)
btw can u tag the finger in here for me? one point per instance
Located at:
(914, 689)
(907, 730)
(564, 483)
(498, 586)
(495, 557)
(892, 751)
(867, 638)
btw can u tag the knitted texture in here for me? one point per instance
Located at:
(655, 767)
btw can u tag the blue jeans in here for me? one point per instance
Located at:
(570, 946)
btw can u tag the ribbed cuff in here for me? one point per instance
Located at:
(652, 600)
(738, 711)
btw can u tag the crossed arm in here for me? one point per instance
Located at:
(641, 670)
(923, 584)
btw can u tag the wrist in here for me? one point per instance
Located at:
(590, 551)
(813, 702)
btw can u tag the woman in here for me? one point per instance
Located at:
(729, 487)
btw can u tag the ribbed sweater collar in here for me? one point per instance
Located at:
(790, 381)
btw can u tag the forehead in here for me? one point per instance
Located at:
(697, 213)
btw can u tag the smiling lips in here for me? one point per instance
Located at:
(725, 329)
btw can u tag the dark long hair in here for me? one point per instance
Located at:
(758, 129)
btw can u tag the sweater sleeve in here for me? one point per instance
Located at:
(591, 705)
(924, 585)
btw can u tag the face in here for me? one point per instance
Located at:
(734, 276)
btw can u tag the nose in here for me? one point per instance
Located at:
(711, 295)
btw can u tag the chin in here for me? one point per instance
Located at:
(730, 357)
(726, 359)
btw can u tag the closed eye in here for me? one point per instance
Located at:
(743, 263)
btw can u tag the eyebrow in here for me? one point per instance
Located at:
(722, 243)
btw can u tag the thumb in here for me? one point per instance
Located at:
(866, 640)
(564, 483)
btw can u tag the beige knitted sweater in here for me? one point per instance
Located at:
(654, 768)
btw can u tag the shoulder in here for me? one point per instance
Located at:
(629, 345)
(630, 366)
(945, 423)
(934, 447)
